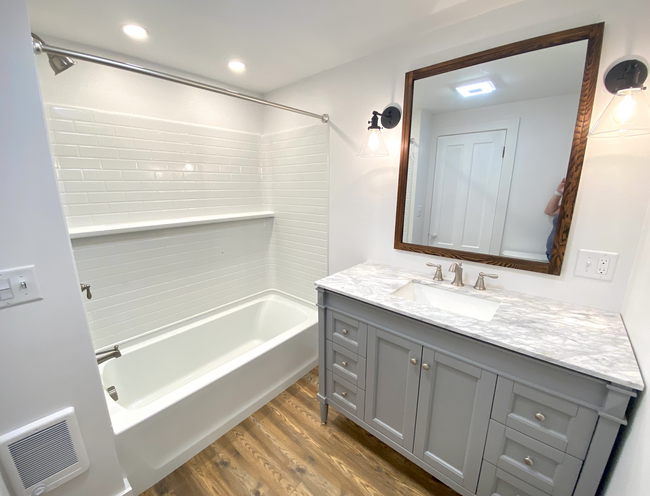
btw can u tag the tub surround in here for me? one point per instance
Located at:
(582, 339)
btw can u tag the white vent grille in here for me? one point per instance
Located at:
(44, 454)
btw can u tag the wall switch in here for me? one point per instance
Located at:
(419, 211)
(596, 264)
(18, 285)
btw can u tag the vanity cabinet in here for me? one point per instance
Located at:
(393, 377)
(484, 420)
(453, 415)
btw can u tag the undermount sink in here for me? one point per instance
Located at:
(451, 301)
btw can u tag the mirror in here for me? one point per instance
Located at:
(492, 150)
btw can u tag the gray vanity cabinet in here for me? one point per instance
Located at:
(482, 419)
(453, 415)
(392, 378)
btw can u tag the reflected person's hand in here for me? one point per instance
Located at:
(560, 187)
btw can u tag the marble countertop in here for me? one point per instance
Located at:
(583, 339)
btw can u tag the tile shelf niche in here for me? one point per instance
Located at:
(107, 230)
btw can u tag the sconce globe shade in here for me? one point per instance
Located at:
(373, 145)
(628, 114)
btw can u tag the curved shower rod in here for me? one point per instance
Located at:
(61, 54)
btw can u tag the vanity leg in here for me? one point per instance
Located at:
(324, 408)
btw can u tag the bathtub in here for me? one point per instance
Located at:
(183, 386)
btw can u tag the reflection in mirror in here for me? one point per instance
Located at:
(489, 151)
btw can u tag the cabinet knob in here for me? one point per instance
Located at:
(414, 361)
(528, 461)
(540, 417)
(425, 366)
(344, 331)
(345, 364)
(344, 394)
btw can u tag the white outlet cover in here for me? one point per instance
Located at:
(587, 264)
(23, 284)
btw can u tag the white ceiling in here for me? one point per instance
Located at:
(539, 74)
(281, 41)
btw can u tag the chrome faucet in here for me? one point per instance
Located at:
(105, 355)
(438, 276)
(457, 269)
(480, 282)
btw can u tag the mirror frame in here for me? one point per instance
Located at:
(594, 34)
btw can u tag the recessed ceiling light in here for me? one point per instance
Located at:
(236, 65)
(476, 88)
(135, 31)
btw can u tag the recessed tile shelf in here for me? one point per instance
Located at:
(94, 231)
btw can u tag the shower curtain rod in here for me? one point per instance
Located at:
(40, 47)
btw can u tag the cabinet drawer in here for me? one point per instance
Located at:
(345, 395)
(496, 482)
(555, 421)
(347, 332)
(541, 466)
(346, 364)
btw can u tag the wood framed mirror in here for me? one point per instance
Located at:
(492, 150)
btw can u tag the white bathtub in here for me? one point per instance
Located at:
(183, 386)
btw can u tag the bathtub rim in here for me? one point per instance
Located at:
(123, 418)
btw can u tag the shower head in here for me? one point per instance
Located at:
(58, 63)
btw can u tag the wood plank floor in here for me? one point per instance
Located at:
(282, 449)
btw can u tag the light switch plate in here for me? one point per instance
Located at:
(599, 265)
(20, 286)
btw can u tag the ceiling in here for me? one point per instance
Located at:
(540, 74)
(281, 41)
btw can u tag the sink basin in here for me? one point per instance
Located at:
(451, 301)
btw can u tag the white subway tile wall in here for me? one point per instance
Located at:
(295, 166)
(116, 168)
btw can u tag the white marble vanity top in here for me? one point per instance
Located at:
(583, 339)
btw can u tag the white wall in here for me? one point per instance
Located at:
(46, 357)
(630, 474)
(546, 128)
(613, 194)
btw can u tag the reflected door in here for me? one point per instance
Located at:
(465, 213)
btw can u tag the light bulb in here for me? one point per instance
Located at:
(373, 141)
(625, 109)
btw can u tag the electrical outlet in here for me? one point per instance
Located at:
(599, 265)
(419, 211)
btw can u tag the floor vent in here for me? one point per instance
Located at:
(44, 454)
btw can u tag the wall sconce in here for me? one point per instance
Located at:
(628, 114)
(373, 144)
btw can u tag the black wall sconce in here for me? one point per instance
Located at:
(628, 114)
(373, 144)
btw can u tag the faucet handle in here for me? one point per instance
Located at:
(86, 288)
(452, 267)
(438, 276)
(480, 282)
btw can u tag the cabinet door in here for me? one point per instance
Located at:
(392, 378)
(453, 416)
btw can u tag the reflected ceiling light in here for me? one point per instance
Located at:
(373, 144)
(476, 88)
(135, 31)
(236, 65)
(628, 114)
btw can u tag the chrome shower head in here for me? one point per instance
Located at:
(58, 63)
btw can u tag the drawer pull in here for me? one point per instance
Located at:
(344, 394)
(345, 364)
(540, 417)
(528, 461)
(414, 361)
(344, 331)
(425, 366)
